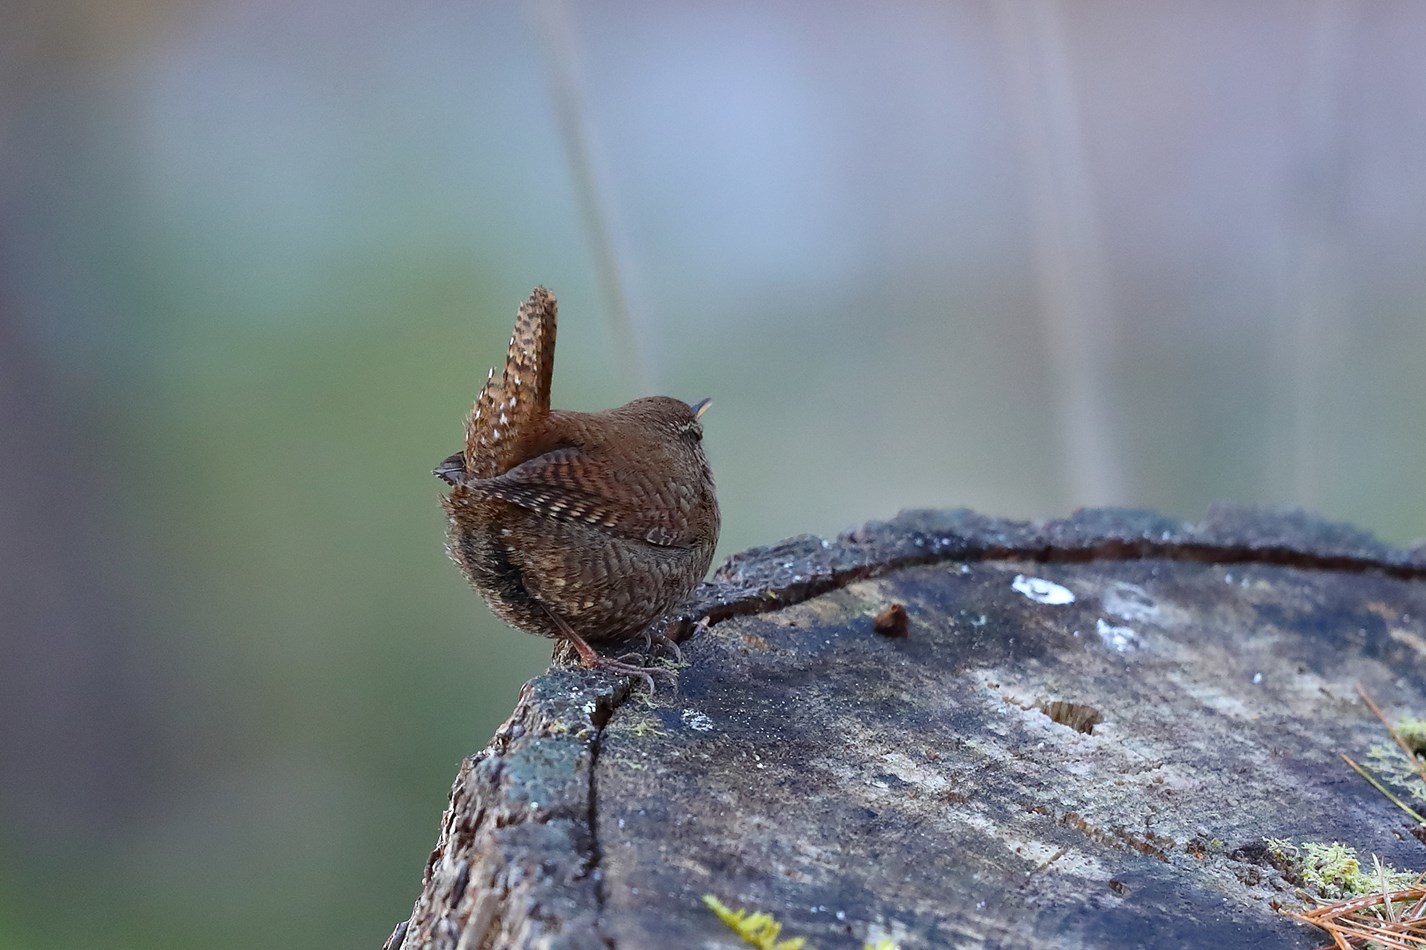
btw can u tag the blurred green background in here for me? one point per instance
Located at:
(255, 259)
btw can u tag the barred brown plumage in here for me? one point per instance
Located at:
(586, 526)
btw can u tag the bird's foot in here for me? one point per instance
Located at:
(622, 667)
(657, 638)
(654, 635)
(591, 659)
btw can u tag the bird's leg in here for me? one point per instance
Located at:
(591, 659)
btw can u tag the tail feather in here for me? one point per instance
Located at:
(510, 406)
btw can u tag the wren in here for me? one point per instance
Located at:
(581, 526)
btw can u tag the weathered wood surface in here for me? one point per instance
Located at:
(860, 787)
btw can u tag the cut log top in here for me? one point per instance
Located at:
(1086, 734)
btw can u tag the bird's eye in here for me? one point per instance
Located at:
(691, 431)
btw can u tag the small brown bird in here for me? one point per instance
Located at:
(585, 526)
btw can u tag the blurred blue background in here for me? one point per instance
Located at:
(255, 259)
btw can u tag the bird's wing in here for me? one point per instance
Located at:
(574, 485)
(451, 469)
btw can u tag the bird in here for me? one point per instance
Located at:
(585, 527)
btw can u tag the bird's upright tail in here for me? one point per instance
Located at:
(510, 406)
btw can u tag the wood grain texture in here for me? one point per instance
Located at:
(1021, 770)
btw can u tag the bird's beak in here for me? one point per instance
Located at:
(700, 407)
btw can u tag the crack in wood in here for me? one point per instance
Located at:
(523, 800)
(896, 550)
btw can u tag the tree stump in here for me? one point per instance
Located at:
(1082, 737)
